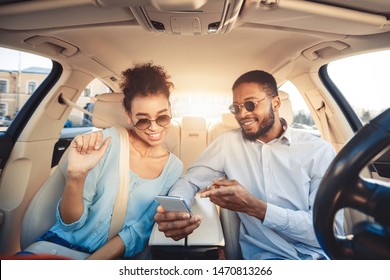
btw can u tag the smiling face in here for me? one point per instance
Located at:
(259, 123)
(150, 107)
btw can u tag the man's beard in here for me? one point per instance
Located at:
(266, 124)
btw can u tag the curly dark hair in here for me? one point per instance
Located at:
(144, 79)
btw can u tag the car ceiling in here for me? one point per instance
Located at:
(104, 37)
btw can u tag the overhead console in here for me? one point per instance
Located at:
(185, 17)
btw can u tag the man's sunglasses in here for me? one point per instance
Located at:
(162, 120)
(249, 106)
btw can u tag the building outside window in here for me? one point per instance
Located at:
(3, 109)
(31, 86)
(87, 92)
(3, 86)
(20, 75)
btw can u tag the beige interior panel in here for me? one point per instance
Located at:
(20, 181)
(193, 138)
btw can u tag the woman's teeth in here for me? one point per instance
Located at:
(155, 135)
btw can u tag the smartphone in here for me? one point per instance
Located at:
(173, 203)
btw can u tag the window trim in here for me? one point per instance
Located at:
(29, 107)
(9, 137)
(350, 115)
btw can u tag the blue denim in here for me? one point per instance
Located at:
(52, 237)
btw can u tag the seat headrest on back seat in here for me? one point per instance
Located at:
(108, 111)
(285, 110)
(229, 121)
(216, 128)
(193, 122)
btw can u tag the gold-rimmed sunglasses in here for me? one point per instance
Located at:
(162, 121)
(249, 106)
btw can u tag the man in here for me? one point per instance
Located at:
(272, 175)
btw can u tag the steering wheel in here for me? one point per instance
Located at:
(342, 187)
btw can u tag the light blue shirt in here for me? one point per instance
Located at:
(285, 173)
(100, 188)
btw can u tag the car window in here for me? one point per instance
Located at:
(364, 82)
(302, 116)
(21, 74)
(207, 105)
(86, 100)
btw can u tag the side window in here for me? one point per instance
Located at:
(364, 82)
(20, 75)
(86, 101)
(302, 117)
(77, 121)
(195, 103)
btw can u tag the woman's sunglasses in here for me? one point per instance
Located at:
(249, 106)
(162, 120)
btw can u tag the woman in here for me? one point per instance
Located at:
(85, 209)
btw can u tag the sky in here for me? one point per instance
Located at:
(366, 77)
(9, 60)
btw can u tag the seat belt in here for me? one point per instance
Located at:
(77, 107)
(122, 195)
(120, 204)
(324, 122)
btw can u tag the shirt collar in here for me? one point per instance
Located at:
(285, 138)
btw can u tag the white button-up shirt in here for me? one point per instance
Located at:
(285, 173)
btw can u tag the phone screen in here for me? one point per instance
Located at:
(173, 203)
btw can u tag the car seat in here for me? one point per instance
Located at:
(226, 123)
(40, 214)
(193, 138)
(229, 219)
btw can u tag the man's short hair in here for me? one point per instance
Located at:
(265, 80)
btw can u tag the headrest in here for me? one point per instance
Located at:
(108, 111)
(194, 122)
(229, 121)
(285, 110)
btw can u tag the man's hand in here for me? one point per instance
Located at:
(231, 195)
(176, 225)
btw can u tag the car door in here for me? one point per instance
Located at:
(36, 136)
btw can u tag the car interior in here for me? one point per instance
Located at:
(205, 45)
